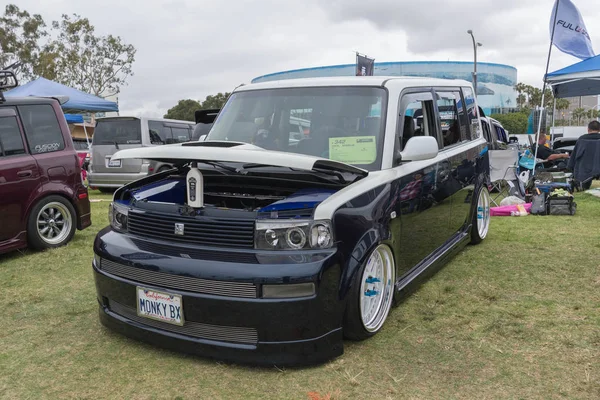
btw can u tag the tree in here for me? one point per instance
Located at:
(578, 114)
(70, 52)
(20, 34)
(216, 101)
(184, 110)
(514, 123)
(79, 58)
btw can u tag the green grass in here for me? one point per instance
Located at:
(517, 317)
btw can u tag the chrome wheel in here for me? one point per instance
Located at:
(54, 222)
(483, 213)
(377, 288)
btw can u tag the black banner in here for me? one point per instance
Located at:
(364, 65)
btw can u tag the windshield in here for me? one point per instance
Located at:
(339, 123)
(119, 131)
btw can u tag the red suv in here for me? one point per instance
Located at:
(42, 197)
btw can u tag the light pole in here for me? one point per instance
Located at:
(475, 45)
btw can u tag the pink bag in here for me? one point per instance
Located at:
(504, 211)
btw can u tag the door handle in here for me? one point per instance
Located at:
(24, 174)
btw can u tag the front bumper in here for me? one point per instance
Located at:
(235, 326)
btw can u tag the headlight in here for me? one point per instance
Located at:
(117, 216)
(293, 235)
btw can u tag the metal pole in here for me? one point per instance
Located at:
(537, 136)
(470, 32)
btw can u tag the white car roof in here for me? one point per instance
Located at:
(410, 81)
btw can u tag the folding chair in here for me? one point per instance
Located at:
(504, 171)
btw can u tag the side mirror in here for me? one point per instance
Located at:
(420, 148)
(202, 138)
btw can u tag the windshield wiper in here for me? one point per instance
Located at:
(328, 172)
(117, 145)
(219, 165)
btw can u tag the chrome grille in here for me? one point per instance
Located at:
(233, 334)
(222, 232)
(161, 279)
(243, 257)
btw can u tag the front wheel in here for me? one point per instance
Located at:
(481, 217)
(51, 223)
(371, 295)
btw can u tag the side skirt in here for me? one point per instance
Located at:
(429, 266)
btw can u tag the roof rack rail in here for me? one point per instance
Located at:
(8, 80)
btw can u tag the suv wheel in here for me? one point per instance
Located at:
(371, 295)
(51, 223)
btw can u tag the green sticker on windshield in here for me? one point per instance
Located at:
(353, 149)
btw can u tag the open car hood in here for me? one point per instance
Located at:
(234, 152)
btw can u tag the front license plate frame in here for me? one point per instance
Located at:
(162, 304)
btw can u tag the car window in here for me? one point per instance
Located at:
(180, 134)
(472, 113)
(453, 119)
(41, 128)
(80, 145)
(416, 118)
(118, 131)
(11, 141)
(343, 123)
(168, 133)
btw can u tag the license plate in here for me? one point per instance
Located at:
(160, 306)
(113, 163)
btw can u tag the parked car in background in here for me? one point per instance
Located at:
(42, 197)
(82, 148)
(494, 133)
(117, 133)
(264, 247)
(565, 144)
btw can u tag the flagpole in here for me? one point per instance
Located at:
(537, 136)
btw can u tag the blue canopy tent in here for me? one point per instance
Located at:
(74, 118)
(580, 79)
(78, 100)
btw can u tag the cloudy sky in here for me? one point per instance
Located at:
(193, 48)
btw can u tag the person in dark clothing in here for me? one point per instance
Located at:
(550, 157)
(585, 159)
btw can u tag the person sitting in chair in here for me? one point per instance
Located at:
(550, 157)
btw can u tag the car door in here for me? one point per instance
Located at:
(19, 176)
(461, 155)
(423, 209)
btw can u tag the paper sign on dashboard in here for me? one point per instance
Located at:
(353, 149)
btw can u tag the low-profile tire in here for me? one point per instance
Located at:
(51, 223)
(106, 190)
(481, 217)
(371, 295)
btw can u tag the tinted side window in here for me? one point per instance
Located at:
(417, 117)
(158, 132)
(180, 134)
(41, 128)
(11, 142)
(454, 123)
(472, 113)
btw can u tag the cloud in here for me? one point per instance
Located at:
(191, 49)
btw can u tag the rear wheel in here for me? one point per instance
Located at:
(371, 297)
(481, 217)
(51, 223)
(106, 190)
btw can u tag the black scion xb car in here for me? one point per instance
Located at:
(260, 246)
